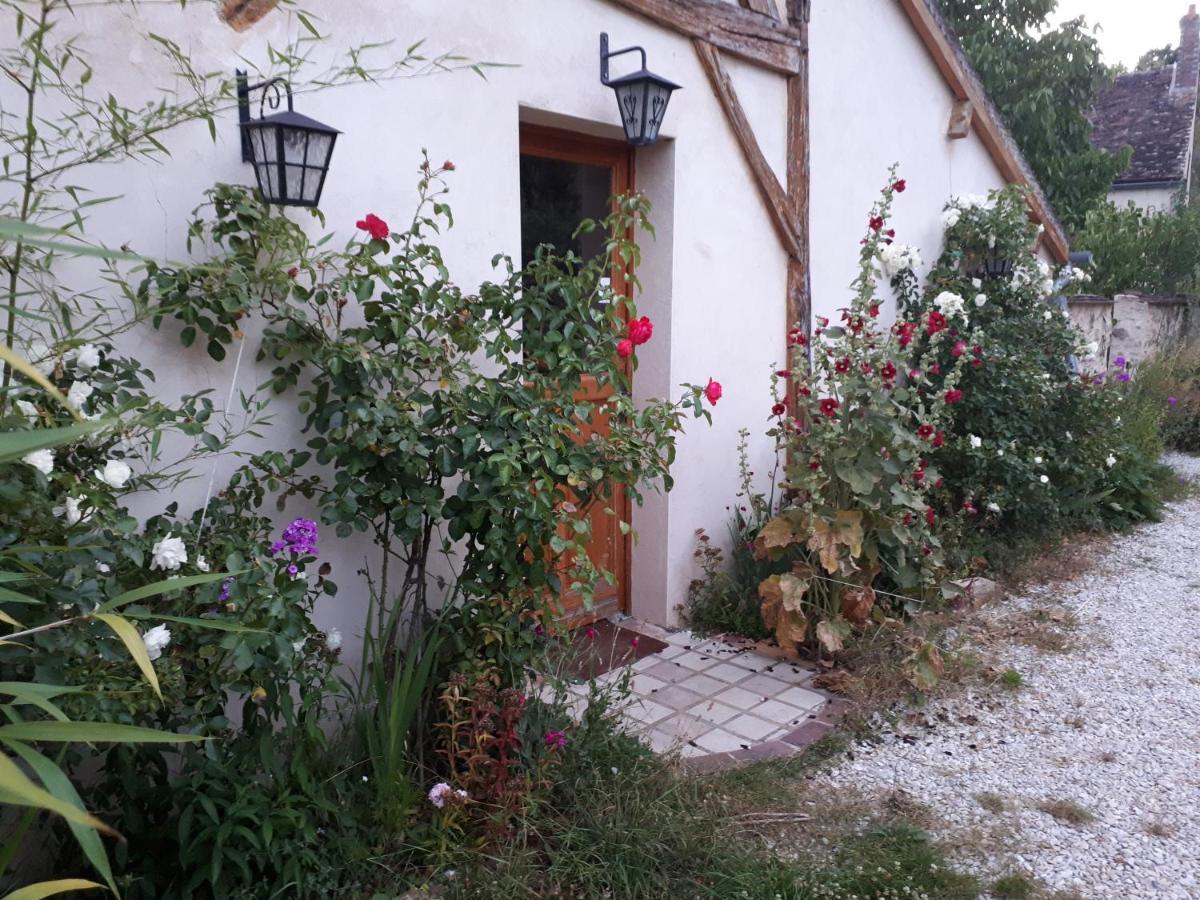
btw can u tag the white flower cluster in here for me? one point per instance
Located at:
(951, 304)
(441, 792)
(896, 258)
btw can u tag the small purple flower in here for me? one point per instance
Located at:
(556, 739)
(1119, 362)
(301, 537)
(1171, 401)
(1124, 376)
(1099, 379)
(226, 587)
(292, 570)
(539, 630)
(276, 548)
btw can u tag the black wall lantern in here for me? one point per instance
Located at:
(641, 97)
(290, 152)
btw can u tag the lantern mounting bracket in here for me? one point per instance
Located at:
(606, 55)
(272, 89)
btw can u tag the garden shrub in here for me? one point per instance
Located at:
(1136, 251)
(1181, 386)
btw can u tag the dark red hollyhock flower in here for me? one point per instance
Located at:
(977, 362)
(930, 517)
(876, 223)
(953, 332)
(969, 507)
(891, 232)
(842, 366)
(905, 330)
(874, 311)
(977, 350)
(804, 392)
(918, 476)
(908, 519)
(778, 409)
(866, 368)
(293, 271)
(448, 166)
(640, 330)
(815, 462)
(953, 395)
(935, 323)
(938, 440)
(925, 432)
(823, 321)
(935, 369)
(899, 186)
(856, 325)
(939, 482)
(958, 349)
(374, 226)
(783, 373)
(926, 551)
(624, 348)
(796, 338)
(888, 372)
(829, 407)
(922, 464)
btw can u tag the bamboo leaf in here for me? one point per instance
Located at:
(215, 624)
(92, 733)
(52, 239)
(17, 789)
(134, 644)
(5, 617)
(58, 784)
(50, 888)
(162, 587)
(15, 444)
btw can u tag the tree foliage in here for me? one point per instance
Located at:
(1044, 81)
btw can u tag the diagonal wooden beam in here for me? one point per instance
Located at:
(773, 194)
(761, 39)
(765, 7)
(799, 289)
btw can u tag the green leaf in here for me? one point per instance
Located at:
(60, 786)
(162, 587)
(215, 624)
(38, 695)
(18, 790)
(92, 732)
(15, 444)
(132, 638)
(50, 888)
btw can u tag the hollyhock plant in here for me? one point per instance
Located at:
(858, 485)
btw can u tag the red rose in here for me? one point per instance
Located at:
(778, 409)
(640, 331)
(624, 348)
(958, 349)
(935, 323)
(929, 515)
(925, 432)
(876, 223)
(829, 407)
(448, 166)
(293, 271)
(953, 395)
(888, 372)
(899, 186)
(938, 440)
(373, 225)
(713, 391)
(842, 365)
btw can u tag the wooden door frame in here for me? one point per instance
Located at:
(546, 142)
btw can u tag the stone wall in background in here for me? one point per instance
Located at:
(1135, 326)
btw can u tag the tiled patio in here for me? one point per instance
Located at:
(717, 701)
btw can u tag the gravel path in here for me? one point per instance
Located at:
(1109, 731)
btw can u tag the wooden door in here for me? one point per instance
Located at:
(567, 177)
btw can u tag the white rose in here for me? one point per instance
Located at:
(949, 303)
(70, 510)
(1045, 479)
(1046, 315)
(993, 507)
(103, 568)
(1092, 349)
(333, 639)
(87, 356)
(1111, 461)
(951, 216)
(1037, 460)
(1000, 452)
(156, 641)
(169, 554)
(976, 442)
(79, 392)
(980, 300)
(42, 460)
(1070, 437)
(977, 283)
(116, 473)
(201, 563)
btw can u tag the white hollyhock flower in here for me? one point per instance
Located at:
(980, 300)
(70, 510)
(201, 563)
(42, 460)
(896, 258)
(993, 507)
(1046, 315)
(169, 554)
(333, 639)
(949, 303)
(1111, 461)
(156, 641)
(951, 216)
(976, 442)
(1045, 479)
(116, 473)
(87, 356)
(79, 393)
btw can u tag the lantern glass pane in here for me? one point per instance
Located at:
(631, 100)
(294, 182)
(319, 148)
(658, 97)
(295, 145)
(312, 185)
(264, 143)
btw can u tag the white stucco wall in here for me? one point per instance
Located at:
(1148, 199)
(715, 275)
(878, 98)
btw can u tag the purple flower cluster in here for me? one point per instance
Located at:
(226, 587)
(300, 537)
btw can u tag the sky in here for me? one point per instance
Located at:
(1128, 28)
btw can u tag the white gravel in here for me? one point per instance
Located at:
(1113, 726)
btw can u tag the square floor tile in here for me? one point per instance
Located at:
(670, 651)
(785, 671)
(683, 726)
(645, 684)
(667, 671)
(779, 713)
(712, 711)
(804, 699)
(764, 686)
(727, 672)
(646, 711)
(660, 742)
(751, 727)
(720, 741)
(701, 684)
(739, 698)
(647, 662)
(694, 661)
(677, 697)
